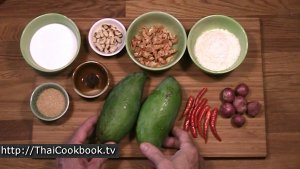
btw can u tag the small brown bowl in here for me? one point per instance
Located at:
(91, 79)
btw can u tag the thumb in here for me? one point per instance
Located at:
(96, 163)
(152, 153)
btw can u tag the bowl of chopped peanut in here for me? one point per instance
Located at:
(156, 41)
(49, 101)
(107, 37)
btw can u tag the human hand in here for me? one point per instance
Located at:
(80, 137)
(187, 157)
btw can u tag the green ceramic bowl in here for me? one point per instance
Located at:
(37, 23)
(218, 22)
(158, 18)
(35, 95)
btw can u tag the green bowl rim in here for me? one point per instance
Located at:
(242, 54)
(39, 17)
(38, 89)
(163, 67)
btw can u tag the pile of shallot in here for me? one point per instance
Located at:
(234, 105)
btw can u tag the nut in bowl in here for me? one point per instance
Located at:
(217, 44)
(49, 101)
(156, 41)
(107, 37)
(91, 79)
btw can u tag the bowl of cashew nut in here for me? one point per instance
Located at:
(107, 37)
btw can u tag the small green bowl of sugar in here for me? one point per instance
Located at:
(217, 44)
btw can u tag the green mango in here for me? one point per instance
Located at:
(158, 113)
(121, 108)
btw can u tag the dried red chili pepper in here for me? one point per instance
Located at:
(200, 95)
(187, 121)
(199, 109)
(206, 124)
(188, 107)
(194, 131)
(213, 121)
(193, 115)
(196, 113)
(186, 124)
(202, 114)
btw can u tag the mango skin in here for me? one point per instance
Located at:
(121, 108)
(158, 113)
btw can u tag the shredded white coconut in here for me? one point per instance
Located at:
(217, 49)
(53, 46)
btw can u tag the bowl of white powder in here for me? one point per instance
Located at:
(50, 42)
(217, 44)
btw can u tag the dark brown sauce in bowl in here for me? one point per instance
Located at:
(91, 79)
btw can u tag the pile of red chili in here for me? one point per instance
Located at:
(200, 116)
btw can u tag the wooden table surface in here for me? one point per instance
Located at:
(280, 26)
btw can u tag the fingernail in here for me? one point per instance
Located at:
(144, 146)
(110, 142)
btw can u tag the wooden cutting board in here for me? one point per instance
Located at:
(248, 141)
